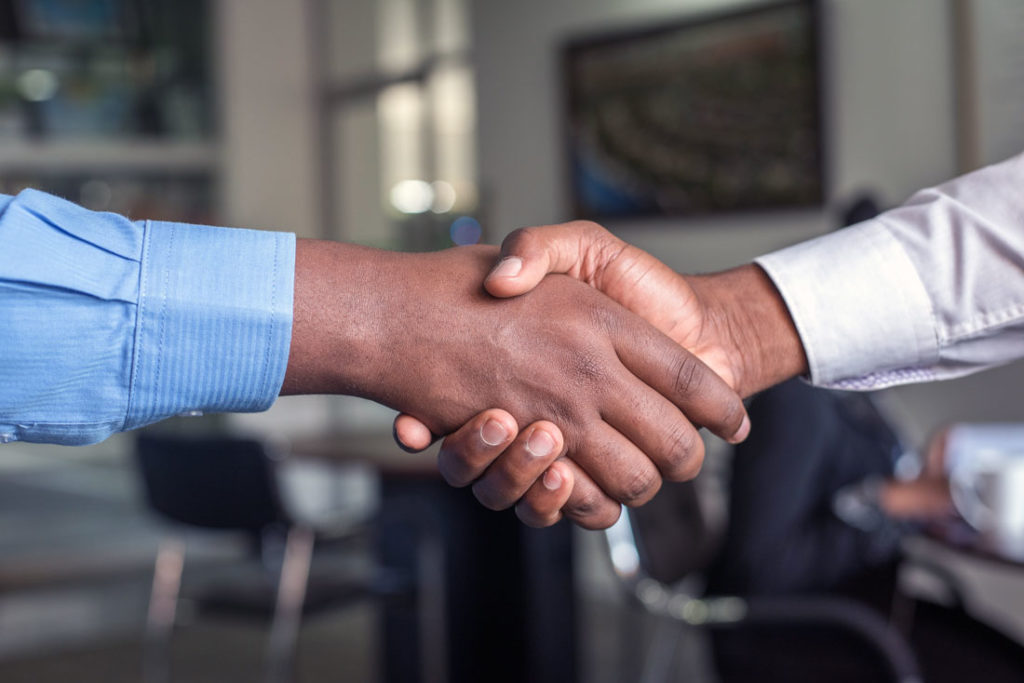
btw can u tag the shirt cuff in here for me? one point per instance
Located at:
(214, 321)
(862, 312)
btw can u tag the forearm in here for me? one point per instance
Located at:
(366, 321)
(749, 318)
(333, 324)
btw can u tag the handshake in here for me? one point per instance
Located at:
(610, 359)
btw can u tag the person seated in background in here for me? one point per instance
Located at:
(814, 500)
(836, 507)
(820, 497)
(816, 508)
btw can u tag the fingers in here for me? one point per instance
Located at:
(656, 428)
(543, 502)
(700, 394)
(522, 463)
(612, 462)
(588, 506)
(525, 470)
(467, 453)
(528, 254)
(411, 434)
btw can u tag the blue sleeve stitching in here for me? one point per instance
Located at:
(163, 317)
(139, 317)
(273, 319)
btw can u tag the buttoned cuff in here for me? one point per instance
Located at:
(214, 321)
(862, 312)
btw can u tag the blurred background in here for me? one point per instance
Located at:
(705, 131)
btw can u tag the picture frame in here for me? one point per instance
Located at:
(713, 114)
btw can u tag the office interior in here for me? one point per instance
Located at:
(422, 125)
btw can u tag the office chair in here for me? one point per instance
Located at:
(224, 483)
(773, 572)
(651, 579)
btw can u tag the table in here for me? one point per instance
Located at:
(957, 535)
(963, 571)
(495, 599)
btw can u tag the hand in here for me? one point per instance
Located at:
(918, 499)
(542, 485)
(925, 498)
(416, 332)
(735, 321)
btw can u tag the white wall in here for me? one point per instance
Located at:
(267, 115)
(890, 129)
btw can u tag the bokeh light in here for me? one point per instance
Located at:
(444, 197)
(412, 196)
(38, 85)
(466, 230)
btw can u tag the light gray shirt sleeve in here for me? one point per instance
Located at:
(933, 289)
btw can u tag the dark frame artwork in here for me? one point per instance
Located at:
(718, 114)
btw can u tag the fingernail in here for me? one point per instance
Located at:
(493, 433)
(508, 267)
(742, 432)
(540, 443)
(552, 480)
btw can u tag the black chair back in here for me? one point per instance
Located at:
(214, 483)
(672, 536)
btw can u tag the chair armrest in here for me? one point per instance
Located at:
(855, 618)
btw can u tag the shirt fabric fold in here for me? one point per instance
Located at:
(108, 324)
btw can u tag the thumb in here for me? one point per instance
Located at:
(578, 249)
(411, 434)
(526, 257)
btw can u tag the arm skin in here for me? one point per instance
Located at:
(418, 333)
(734, 321)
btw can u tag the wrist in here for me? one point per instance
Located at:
(338, 328)
(747, 317)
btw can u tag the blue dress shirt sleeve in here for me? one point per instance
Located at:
(108, 324)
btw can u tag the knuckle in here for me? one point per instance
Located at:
(641, 486)
(585, 504)
(517, 478)
(532, 517)
(588, 228)
(489, 496)
(455, 481)
(688, 376)
(603, 316)
(455, 467)
(518, 239)
(592, 229)
(684, 456)
(588, 366)
(732, 414)
(600, 519)
(452, 474)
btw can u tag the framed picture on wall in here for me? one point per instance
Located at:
(716, 114)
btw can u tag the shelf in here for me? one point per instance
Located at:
(107, 156)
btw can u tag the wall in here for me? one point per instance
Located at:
(267, 115)
(889, 114)
(890, 129)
